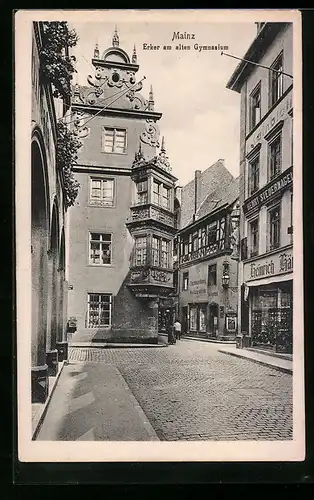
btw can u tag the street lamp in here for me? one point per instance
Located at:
(225, 275)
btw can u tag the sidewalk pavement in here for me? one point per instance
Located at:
(278, 363)
(200, 339)
(92, 402)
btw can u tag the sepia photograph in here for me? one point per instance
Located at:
(159, 235)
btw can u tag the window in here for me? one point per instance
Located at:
(193, 318)
(194, 242)
(99, 310)
(276, 80)
(254, 237)
(185, 281)
(255, 106)
(142, 194)
(212, 275)
(274, 158)
(114, 140)
(156, 192)
(274, 228)
(140, 250)
(166, 197)
(100, 249)
(161, 252)
(101, 192)
(165, 253)
(254, 176)
(212, 233)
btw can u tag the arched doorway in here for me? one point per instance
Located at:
(39, 246)
(61, 323)
(54, 265)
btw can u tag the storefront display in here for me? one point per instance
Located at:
(271, 316)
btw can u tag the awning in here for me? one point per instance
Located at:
(270, 281)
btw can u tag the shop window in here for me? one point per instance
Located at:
(274, 228)
(193, 319)
(202, 318)
(255, 106)
(212, 275)
(114, 140)
(276, 80)
(274, 158)
(254, 237)
(100, 249)
(99, 310)
(185, 281)
(101, 192)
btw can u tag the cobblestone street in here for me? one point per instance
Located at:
(190, 391)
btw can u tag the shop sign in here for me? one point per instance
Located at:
(281, 183)
(276, 264)
(231, 322)
(280, 113)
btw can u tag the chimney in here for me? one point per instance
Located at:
(197, 191)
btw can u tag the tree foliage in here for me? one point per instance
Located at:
(67, 149)
(56, 65)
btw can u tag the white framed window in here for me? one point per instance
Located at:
(142, 192)
(99, 310)
(274, 218)
(140, 250)
(254, 175)
(185, 281)
(255, 106)
(100, 249)
(276, 80)
(161, 249)
(101, 192)
(156, 192)
(254, 237)
(274, 157)
(166, 197)
(114, 140)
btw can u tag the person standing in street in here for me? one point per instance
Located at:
(177, 329)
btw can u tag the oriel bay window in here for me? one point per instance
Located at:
(142, 192)
(161, 195)
(206, 240)
(114, 140)
(100, 249)
(101, 192)
(140, 250)
(274, 228)
(161, 249)
(99, 310)
(156, 192)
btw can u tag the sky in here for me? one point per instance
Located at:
(201, 117)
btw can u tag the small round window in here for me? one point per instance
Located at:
(115, 77)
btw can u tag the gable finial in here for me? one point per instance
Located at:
(115, 38)
(151, 101)
(96, 51)
(134, 55)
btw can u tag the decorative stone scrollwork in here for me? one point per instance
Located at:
(78, 125)
(150, 134)
(139, 214)
(161, 276)
(162, 160)
(162, 217)
(140, 275)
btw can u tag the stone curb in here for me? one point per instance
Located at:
(261, 362)
(46, 404)
(113, 346)
(147, 425)
(183, 337)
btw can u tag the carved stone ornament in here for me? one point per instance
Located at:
(78, 125)
(162, 160)
(150, 134)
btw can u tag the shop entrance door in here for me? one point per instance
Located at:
(213, 319)
(184, 319)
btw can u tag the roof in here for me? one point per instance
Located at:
(223, 196)
(255, 52)
(217, 175)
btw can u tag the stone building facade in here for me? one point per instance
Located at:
(266, 188)
(122, 224)
(49, 232)
(207, 255)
